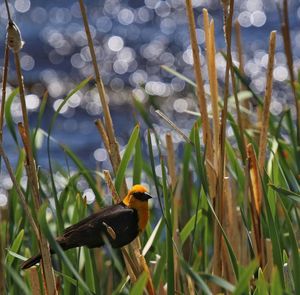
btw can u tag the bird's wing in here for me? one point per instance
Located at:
(94, 217)
(118, 223)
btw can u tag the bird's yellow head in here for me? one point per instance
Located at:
(137, 198)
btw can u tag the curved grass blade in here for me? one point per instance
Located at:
(274, 235)
(45, 227)
(294, 248)
(229, 248)
(246, 274)
(218, 281)
(196, 277)
(178, 75)
(137, 162)
(15, 247)
(8, 117)
(40, 116)
(142, 111)
(154, 235)
(84, 172)
(169, 239)
(126, 158)
(18, 280)
(139, 286)
(189, 226)
(53, 120)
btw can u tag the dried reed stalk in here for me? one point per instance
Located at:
(239, 46)
(15, 43)
(285, 31)
(47, 270)
(115, 158)
(242, 251)
(198, 76)
(219, 193)
(110, 184)
(4, 82)
(175, 203)
(173, 125)
(133, 269)
(245, 103)
(256, 203)
(19, 192)
(213, 83)
(267, 101)
(171, 160)
(206, 130)
(269, 257)
(114, 147)
(109, 289)
(103, 135)
(3, 220)
(190, 285)
(34, 280)
(220, 154)
(230, 226)
(116, 199)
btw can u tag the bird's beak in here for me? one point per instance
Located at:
(147, 196)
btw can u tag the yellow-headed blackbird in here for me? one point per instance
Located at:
(120, 224)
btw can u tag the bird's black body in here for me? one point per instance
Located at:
(118, 223)
(89, 231)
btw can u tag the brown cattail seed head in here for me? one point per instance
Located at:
(14, 38)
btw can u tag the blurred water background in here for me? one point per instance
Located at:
(132, 39)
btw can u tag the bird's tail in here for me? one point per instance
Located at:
(31, 261)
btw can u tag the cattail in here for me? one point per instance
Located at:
(14, 38)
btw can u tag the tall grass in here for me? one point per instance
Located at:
(229, 207)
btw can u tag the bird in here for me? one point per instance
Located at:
(120, 224)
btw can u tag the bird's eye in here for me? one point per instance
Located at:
(142, 196)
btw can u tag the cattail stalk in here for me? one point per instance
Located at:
(263, 140)
(15, 43)
(256, 204)
(134, 247)
(4, 83)
(285, 31)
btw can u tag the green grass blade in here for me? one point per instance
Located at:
(45, 228)
(218, 281)
(142, 111)
(53, 120)
(139, 286)
(244, 281)
(261, 284)
(196, 277)
(276, 287)
(274, 235)
(154, 236)
(229, 248)
(126, 158)
(17, 280)
(8, 117)
(88, 268)
(15, 247)
(189, 226)
(84, 172)
(40, 116)
(169, 239)
(137, 162)
(178, 75)
(294, 250)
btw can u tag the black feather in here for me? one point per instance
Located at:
(118, 223)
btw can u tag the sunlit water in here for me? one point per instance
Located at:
(132, 40)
